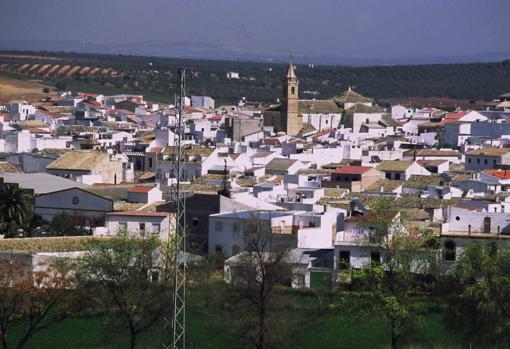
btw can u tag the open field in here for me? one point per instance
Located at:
(11, 89)
(206, 332)
(207, 329)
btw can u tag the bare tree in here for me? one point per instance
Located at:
(255, 275)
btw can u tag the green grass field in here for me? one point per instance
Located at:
(207, 330)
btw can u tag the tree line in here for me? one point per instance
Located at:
(262, 81)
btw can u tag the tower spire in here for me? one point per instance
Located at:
(291, 74)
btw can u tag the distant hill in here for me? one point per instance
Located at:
(239, 52)
(152, 76)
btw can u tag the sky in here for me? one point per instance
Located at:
(347, 28)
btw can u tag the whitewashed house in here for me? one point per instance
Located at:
(145, 194)
(139, 223)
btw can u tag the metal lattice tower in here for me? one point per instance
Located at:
(177, 195)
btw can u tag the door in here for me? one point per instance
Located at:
(487, 225)
(344, 260)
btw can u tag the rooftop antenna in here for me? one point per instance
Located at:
(178, 321)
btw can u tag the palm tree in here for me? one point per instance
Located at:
(16, 205)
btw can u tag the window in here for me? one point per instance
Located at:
(388, 175)
(150, 162)
(469, 160)
(375, 257)
(485, 161)
(344, 259)
(218, 249)
(156, 228)
(397, 176)
(141, 227)
(457, 218)
(450, 253)
(218, 226)
(477, 161)
(235, 227)
(326, 122)
(292, 91)
(194, 221)
(494, 162)
(311, 224)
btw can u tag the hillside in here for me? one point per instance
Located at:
(11, 89)
(151, 76)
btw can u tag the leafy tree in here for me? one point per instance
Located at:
(36, 226)
(252, 295)
(16, 206)
(31, 300)
(478, 295)
(128, 279)
(63, 224)
(388, 283)
(205, 274)
(60, 85)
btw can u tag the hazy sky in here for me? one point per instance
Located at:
(349, 28)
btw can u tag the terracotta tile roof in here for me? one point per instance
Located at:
(147, 175)
(353, 169)
(192, 110)
(271, 141)
(323, 133)
(6, 117)
(429, 163)
(394, 165)
(6, 167)
(436, 153)
(489, 151)
(91, 103)
(141, 189)
(215, 118)
(84, 95)
(139, 214)
(385, 184)
(422, 182)
(452, 117)
(76, 160)
(501, 174)
(349, 96)
(37, 130)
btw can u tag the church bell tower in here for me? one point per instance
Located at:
(292, 122)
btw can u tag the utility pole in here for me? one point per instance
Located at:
(177, 195)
